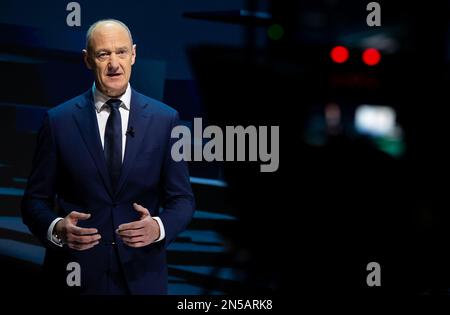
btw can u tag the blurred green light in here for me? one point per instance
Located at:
(275, 31)
(392, 146)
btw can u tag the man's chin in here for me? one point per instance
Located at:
(114, 91)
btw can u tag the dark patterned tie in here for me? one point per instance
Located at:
(113, 142)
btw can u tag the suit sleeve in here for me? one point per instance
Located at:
(38, 200)
(178, 199)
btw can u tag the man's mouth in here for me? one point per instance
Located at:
(113, 75)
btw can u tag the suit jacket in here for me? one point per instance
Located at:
(69, 173)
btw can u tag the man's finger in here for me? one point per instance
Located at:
(131, 226)
(137, 244)
(129, 233)
(81, 247)
(134, 239)
(78, 246)
(143, 211)
(87, 239)
(74, 215)
(82, 231)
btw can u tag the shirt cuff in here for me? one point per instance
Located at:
(50, 236)
(162, 232)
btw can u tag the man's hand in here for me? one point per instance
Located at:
(76, 237)
(139, 233)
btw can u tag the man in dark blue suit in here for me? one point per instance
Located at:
(103, 161)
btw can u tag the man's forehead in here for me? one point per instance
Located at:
(105, 32)
(109, 29)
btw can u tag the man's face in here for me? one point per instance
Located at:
(110, 55)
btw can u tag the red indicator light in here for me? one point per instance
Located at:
(371, 56)
(339, 54)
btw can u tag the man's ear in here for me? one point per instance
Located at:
(87, 60)
(133, 54)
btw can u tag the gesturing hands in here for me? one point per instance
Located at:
(76, 237)
(139, 233)
(134, 234)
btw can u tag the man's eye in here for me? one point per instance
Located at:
(102, 55)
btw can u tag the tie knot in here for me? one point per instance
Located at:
(114, 103)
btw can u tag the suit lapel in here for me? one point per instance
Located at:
(139, 119)
(86, 121)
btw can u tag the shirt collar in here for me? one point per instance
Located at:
(100, 99)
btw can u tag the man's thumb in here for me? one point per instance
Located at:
(143, 211)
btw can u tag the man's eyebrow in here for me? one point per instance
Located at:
(107, 50)
(102, 50)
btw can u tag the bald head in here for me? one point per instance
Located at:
(105, 26)
(110, 53)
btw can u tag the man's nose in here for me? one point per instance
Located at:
(113, 62)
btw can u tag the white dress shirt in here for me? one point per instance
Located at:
(102, 112)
